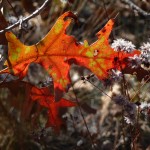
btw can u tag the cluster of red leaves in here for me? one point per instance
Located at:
(56, 52)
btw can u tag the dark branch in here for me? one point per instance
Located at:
(34, 14)
(135, 7)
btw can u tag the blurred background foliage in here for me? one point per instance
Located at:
(22, 122)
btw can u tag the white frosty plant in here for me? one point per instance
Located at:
(143, 59)
(123, 45)
(145, 54)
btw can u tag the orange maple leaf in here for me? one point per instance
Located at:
(57, 50)
(46, 99)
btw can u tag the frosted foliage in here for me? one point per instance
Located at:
(123, 45)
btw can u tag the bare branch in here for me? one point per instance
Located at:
(34, 14)
(138, 9)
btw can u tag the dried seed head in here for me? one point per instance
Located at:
(129, 120)
(120, 100)
(135, 61)
(145, 54)
(123, 45)
(130, 109)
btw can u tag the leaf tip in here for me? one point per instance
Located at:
(10, 36)
(69, 14)
(106, 30)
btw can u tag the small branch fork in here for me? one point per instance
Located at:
(135, 7)
(34, 14)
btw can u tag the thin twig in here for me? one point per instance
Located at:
(135, 7)
(34, 14)
(123, 131)
(137, 128)
(79, 106)
(125, 88)
(98, 88)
